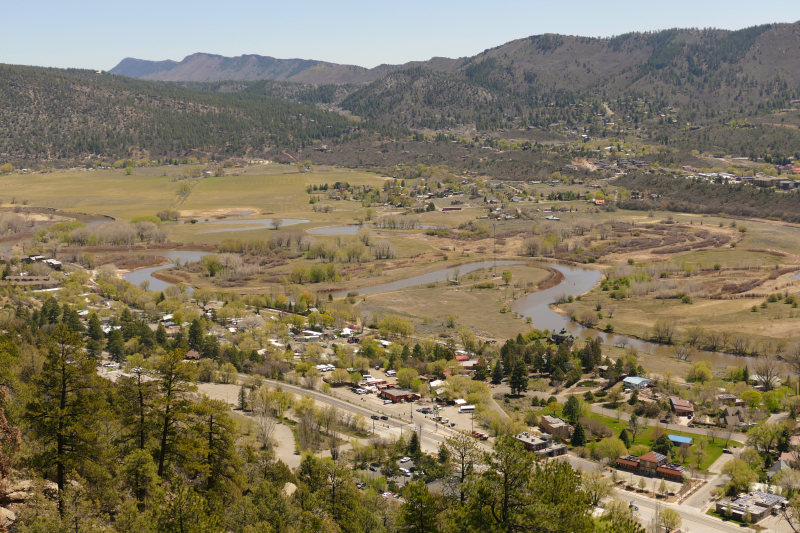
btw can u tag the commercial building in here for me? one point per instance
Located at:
(652, 464)
(399, 395)
(555, 426)
(757, 504)
(543, 445)
(636, 382)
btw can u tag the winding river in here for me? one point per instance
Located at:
(142, 274)
(577, 280)
(422, 279)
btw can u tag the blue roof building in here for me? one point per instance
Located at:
(677, 439)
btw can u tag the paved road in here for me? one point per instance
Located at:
(431, 432)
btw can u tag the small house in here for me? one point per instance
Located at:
(681, 407)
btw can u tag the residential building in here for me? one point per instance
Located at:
(732, 416)
(681, 407)
(730, 400)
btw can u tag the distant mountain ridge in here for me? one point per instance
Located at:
(205, 67)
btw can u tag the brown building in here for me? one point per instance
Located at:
(399, 395)
(681, 407)
(651, 464)
(555, 426)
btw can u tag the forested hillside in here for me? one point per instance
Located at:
(52, 115)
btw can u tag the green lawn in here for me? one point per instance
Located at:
(713, 450)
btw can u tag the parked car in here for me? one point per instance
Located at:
(726, 450)
(384, 417)
(405, 459)
(360, 484)
(375, 417)
(373, 468)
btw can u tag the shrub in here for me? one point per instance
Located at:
(686, 299)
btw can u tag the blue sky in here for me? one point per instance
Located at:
(98, 34)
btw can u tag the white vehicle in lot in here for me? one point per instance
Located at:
(390, 373)
(386, 402)
(405, 459)
(360, 391)
(466, 409)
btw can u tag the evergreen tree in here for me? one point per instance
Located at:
(634, 399)
(518, 381)
(93, 348)
(572, 409)
(497, 373)
(663, 446)
(126, 316)
(161, 335)
(74, 322)
(625, 437)
(195, 335)
(242, 398)
(66, 408)
(578, 436)
(95, 328)
(413, 449)
(115, 345)
(746, 374)
(417, 353)
(482, 372)
(173, 406)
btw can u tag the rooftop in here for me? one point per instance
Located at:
(680, 440)
(636, 380)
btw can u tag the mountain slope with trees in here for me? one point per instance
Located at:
(51, 115)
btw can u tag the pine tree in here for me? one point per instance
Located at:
(66, 407)
(482, 372)
(518, 381)
(578, 436)
(242, 398)
(195, 335)
(93, 348)
(625, 437)
(95, 328)
(497, 373)
(161, 335)
(115, 346)
(634, 399)
(746, 374)
(572, 409)
(74, 322)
